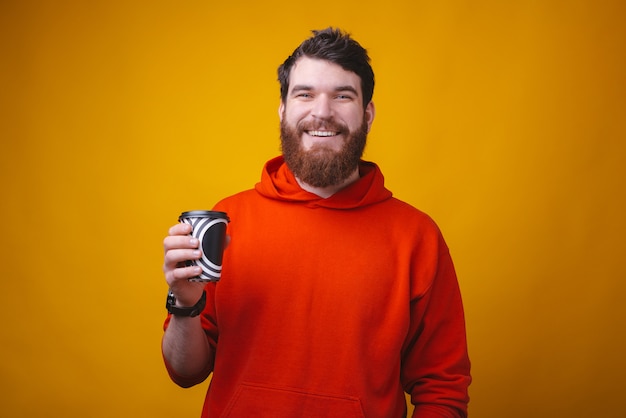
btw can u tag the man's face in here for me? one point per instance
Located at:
(323, 123)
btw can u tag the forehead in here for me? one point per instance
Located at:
(322, 74)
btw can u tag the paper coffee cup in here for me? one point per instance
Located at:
(209, 227)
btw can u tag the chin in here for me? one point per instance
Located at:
(335, 144)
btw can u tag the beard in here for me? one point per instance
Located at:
(322, 166)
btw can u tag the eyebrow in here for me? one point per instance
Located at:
(304, 87)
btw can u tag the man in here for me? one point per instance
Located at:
(335, 297)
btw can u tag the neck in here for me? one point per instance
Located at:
(325, 192)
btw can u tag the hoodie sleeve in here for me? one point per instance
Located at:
(435, 363)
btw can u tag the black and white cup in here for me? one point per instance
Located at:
(209, 227)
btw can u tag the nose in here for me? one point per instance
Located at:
(322, 107)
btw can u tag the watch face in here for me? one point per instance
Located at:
(171, 300)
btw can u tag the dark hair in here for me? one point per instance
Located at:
(335, 46)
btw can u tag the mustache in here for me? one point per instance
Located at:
(328, 125)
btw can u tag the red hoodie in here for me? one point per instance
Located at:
(333, 307)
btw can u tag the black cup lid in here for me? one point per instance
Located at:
(204, 214)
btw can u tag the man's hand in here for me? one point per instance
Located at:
(179, 247)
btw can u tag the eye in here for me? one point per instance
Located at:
(344, 97)
(304, 95)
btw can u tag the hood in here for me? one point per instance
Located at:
(279, 183)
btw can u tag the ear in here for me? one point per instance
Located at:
(281, 110)
(370, 112)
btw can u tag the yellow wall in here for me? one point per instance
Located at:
(503, 120)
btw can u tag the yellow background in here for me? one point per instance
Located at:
(503, 120)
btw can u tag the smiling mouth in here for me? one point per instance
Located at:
(322, 133)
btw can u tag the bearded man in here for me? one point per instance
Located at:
(336, 298)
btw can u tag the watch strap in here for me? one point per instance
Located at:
(191, 311)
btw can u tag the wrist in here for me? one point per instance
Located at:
(174, 308)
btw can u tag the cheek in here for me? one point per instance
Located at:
(296, 111)
(355, 120)
(293, 117)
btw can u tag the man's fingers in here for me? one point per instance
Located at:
(174, 257)
(173, 242)
(180, 229)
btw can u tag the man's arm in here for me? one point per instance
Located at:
(187, 353)
(186, 350)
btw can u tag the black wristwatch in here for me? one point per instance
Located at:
(190, 311)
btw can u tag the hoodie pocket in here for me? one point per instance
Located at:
(254, 400)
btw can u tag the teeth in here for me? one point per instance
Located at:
(322, 133)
